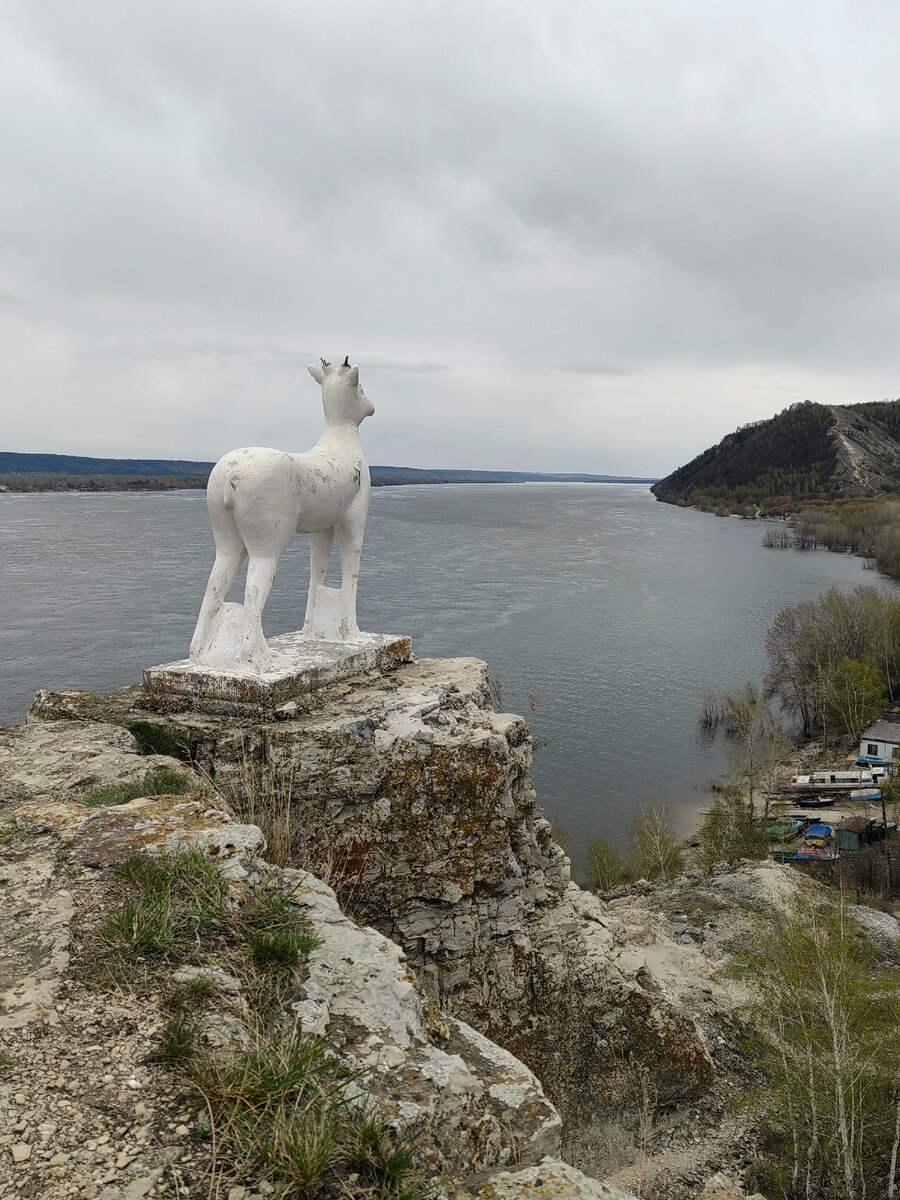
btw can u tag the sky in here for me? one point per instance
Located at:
(586, 235)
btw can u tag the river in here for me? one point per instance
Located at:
(616, 611)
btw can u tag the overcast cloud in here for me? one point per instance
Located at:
(578, 236)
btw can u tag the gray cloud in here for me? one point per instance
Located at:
(585, 237)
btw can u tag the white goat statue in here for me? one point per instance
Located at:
(258, 499)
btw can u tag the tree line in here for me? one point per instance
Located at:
(871, 530)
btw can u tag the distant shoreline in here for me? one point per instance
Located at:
(113, 483)
(71, 473)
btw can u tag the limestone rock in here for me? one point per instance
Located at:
(65, 759)
(35, 915)
(417, 798)
(470, 1104)
(434, 1072)
(551, 1179)
(105, 835)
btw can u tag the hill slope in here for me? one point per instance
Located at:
(806, 454)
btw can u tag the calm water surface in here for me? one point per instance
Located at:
(616, 610)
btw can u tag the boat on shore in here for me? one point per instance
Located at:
(816, 854)
(786, 827)
(866, 794)
(811, 801)
(837, 782)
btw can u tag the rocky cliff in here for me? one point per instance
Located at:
(86, 1113)
(413, 797)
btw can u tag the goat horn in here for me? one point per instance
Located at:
(325, 364)
(347, 361)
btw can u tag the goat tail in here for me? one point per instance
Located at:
(228, 494)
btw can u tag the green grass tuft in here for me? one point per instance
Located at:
(278, 948)
(167, 781)
(141, 926)
(301, 1143)
(186, 873)
(177, 1042)
(375, 1152)
(285, 1103)
(276, 930)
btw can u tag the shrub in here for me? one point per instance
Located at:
(607, 867)
(729, 831)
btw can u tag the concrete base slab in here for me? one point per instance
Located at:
(302, 665)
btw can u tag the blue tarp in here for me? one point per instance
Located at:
(818, 831)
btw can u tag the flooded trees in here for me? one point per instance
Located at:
(822, 654)
(735, 826)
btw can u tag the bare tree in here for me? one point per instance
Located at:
(496, 688)
(655, 854)
(757, 743)
(828, 1019)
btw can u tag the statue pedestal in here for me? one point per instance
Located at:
(301, 664)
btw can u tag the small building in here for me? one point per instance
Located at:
(881, 742)
(852, 833)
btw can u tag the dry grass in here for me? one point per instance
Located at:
(263, 797)
(281, 1106)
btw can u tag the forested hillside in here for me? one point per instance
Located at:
(808, 454)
